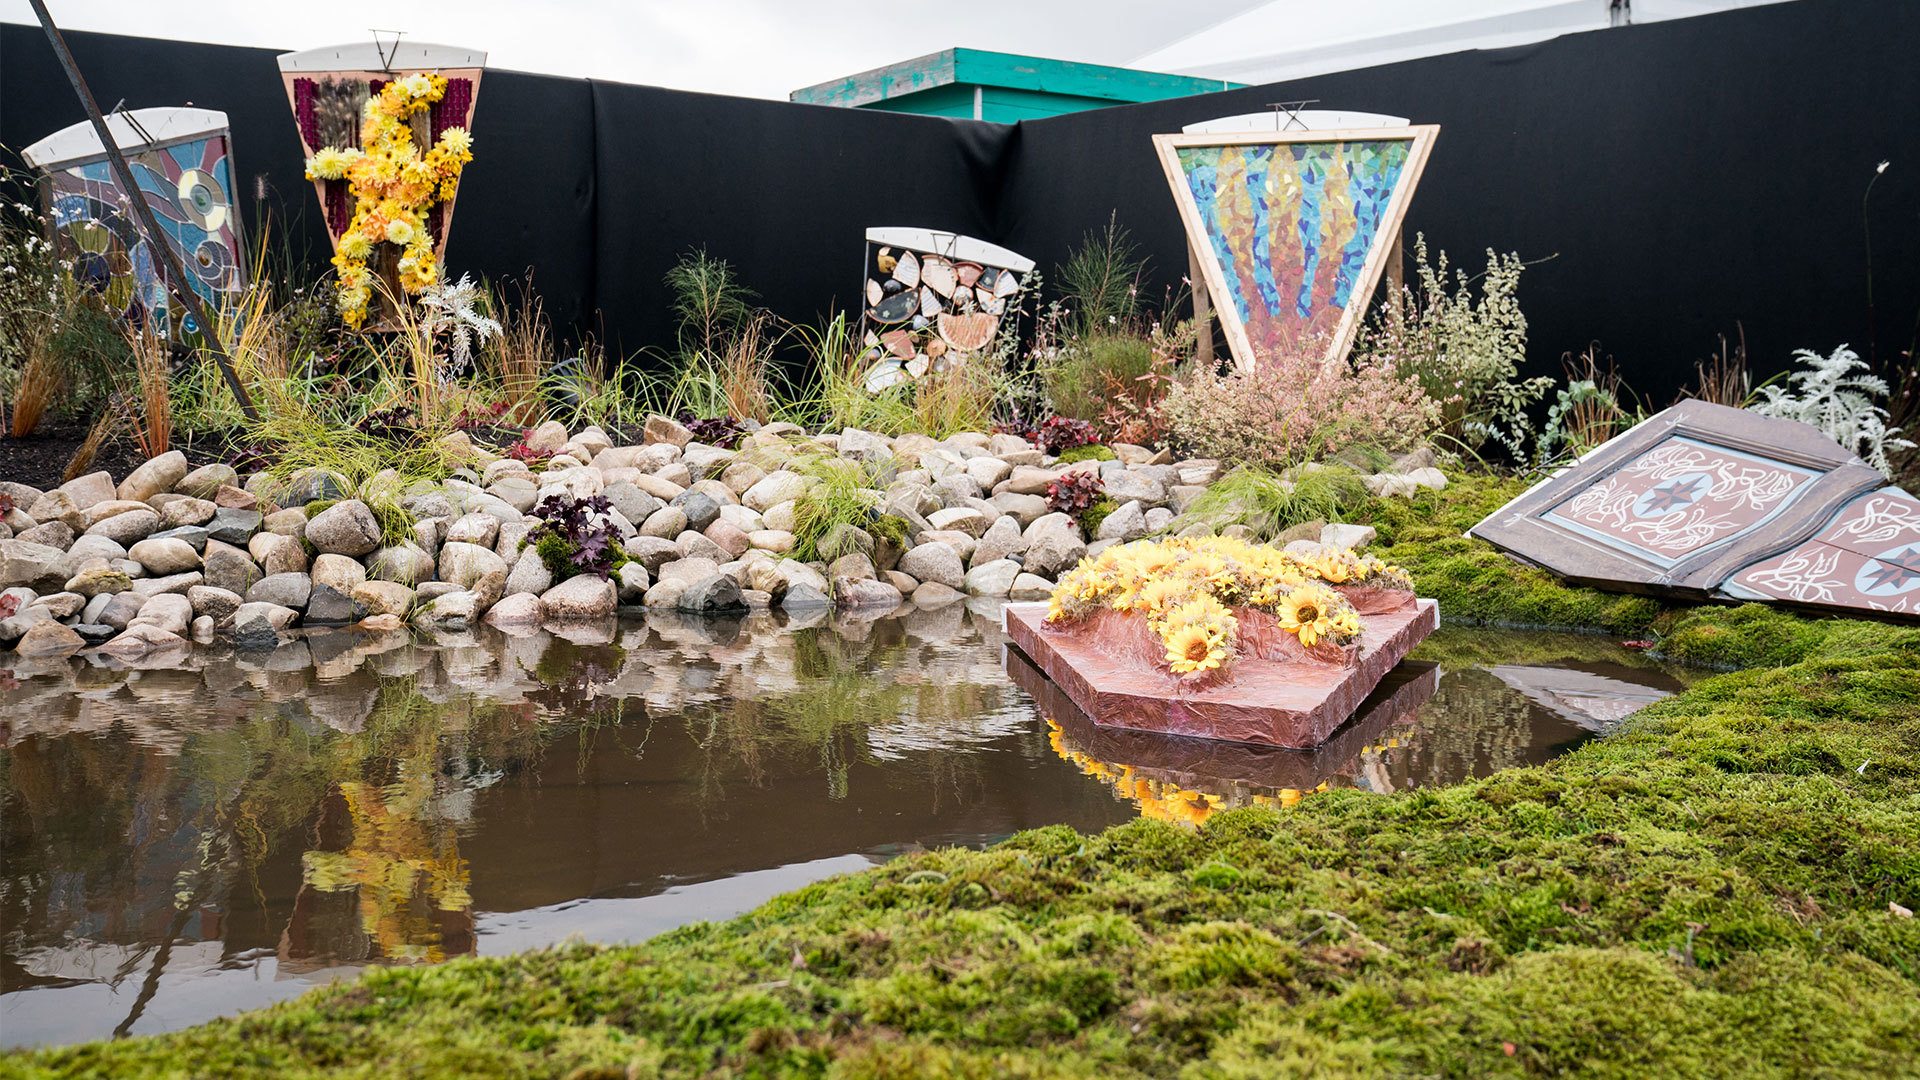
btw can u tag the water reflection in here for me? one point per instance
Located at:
(194, 839)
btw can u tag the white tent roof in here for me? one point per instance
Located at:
(1289, 39)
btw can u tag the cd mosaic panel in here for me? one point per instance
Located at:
(929, 311)
(189, 187)
(1291, 226)
(1867, 557)
(1681, 497)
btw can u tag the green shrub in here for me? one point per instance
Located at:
(1079, 380)
(1269, 503)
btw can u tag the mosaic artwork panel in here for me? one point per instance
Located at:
(1291, 225)
(1867, 557)
(189, 188)
(1679, 498)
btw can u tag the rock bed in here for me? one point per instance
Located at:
(172, 555)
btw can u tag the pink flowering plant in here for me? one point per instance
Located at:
(1294, 409)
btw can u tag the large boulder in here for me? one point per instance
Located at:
(154, 477)
(90, 490)
(994, 579)
(715, 592)
(773, 489)
(584, 596)
(465, 564)
(383, 597)
(40, 567)
(227, 567)
(288, 590)
(162, 557)
(934, 562)
(405, 563)
(127, 527)
(1054, 546)
(346, 528)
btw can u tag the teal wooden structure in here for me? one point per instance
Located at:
(1002, 87)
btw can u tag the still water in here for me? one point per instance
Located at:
(181, 843)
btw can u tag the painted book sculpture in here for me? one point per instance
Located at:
(933, 301)
(182, 162)
(1222, 639)
(387, 131)
(1292, 229)
(1706, 502)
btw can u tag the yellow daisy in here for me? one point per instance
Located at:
(1304, 614)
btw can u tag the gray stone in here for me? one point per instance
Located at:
(529, 574)
(57, 505)
(994, 579)
(773, 489)
(91, 489)
(515, 610)
(126, 528)
(313, 485)
(232, 526)
(259, 625)
(404, 563)
(195, 536)
(53, 534)
(960, 519)
(1030, 587)
(347, 528)
(218, 604)
(1026, 509)
(699, 507)
(1053, 546)
(582, 597)
(1347, 537)
(328, 606)
(183, 510)
(632, 582)
(475, 528)
(804, 596)
(168, 556)
(61, 605)
(120, 610)
(170, 612)
(154, 477)
(935, 562)
(338, 572)
(94, 633)
(667, 522)
(172, 583)
(227, 567)
(865, 594)
(40, 567)
(932, 594)
(278, 554)
(383, 597)
(1125, 484)
(716, 592)
(142, 640)
(633, 504)
(1129, 522)
(1003, 539)
(206, 481)
(695, 545)
(289, 590)
(652, 552)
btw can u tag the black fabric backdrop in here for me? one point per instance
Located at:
(1679, 178)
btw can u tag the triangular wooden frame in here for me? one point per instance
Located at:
(1420, 136)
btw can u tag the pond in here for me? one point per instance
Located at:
(190, 841)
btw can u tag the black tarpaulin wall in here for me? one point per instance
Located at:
(1684, 177)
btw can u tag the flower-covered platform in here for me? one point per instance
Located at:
(1284, 701)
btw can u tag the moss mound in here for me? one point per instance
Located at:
(1714, 891)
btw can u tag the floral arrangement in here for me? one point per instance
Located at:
(1187, 588)
(394, 184)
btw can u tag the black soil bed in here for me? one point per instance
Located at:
(40, 459)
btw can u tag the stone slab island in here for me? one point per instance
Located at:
(1277, 697)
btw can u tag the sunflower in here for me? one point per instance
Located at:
(1304, 613)
(1192, 649)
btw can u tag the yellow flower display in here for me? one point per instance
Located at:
(1187, 587)
(394, 185)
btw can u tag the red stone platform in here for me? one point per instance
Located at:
(1274, 701)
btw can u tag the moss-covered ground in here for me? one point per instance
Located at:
(1716, 890)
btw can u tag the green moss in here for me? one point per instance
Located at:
(1712, 891)
(556, 553)
(1092, 516)
(1091, 452)
(319, 506)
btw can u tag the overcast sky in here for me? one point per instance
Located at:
(758, 48)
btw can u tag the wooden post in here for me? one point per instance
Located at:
(1396, 277)
(175, 274)
(1202, 311)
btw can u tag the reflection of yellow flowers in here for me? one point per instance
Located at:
(1163, 580)
(394, 185)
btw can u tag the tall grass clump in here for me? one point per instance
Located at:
(723, 356)
(1268, 503)
(150, 406)
(940, 403)
(840, 493)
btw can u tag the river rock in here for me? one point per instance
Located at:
(582, 597)
(935, 562)
(994, 579)
(289, 590)
(405, 563)
(127, 527)
(516, 610)
(278, 553)
(96, 580)
(227, 567)
(258, 625)
(40, 567)
(1053, 546)
(347, 528)
(154, 477)
(383, 597)
(172, 583)
(216, 603)
(713, 593)
(183, 510)
(58, 505)
(1129, 522)
(164, 556)
(206, 481)
(170, 612)
(664, 429)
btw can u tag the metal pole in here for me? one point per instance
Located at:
(176, 273)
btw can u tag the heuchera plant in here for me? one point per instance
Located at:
(520, 451)
(720, 431)
(575, 536)
(1061, 433)
(1074, 492)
